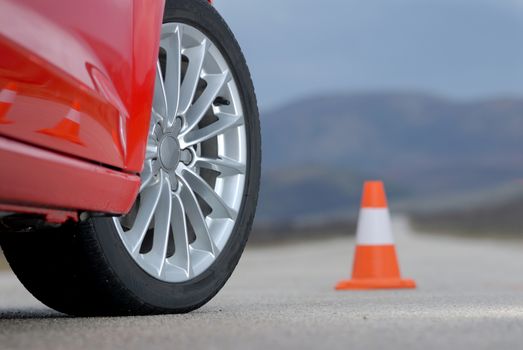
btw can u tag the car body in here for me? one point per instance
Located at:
(77, 115)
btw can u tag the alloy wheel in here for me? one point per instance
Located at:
(195, 164)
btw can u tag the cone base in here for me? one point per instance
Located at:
(365, 284)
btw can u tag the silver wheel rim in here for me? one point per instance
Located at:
(195, 163)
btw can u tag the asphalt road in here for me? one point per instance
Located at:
(470, 295)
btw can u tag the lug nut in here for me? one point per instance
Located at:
(177, 127)
(186, 156)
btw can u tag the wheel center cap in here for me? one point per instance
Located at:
(169, 152)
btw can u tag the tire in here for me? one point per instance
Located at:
(86, 268)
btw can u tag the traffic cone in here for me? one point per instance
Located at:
(68, 128)
(375, 261)
(7, 97)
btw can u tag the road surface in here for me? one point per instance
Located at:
(470, 295)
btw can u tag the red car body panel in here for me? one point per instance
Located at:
(60, 182)
(76, 85)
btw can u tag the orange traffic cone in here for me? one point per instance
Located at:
(375, 261)
(68, 128)
(7, 97)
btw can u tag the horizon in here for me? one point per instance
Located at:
(391, 92)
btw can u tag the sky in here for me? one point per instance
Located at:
(463, 49)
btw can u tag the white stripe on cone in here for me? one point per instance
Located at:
(374, 227)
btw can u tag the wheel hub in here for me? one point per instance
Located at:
(169, 152)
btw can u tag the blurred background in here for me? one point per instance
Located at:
(426, 95)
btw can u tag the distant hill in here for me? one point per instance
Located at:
(315, 191)
(318, 150)
(500, 215)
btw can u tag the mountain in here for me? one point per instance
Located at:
(498, 216)
(318, 150)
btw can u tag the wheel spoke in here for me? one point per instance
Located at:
(215, 83)
(172, 45)
(162, 227)
(203, 240)
(192, 75)
(223, 165)
(148, 201)
(225, 122)
(219, 208)
(182, 256)
(147, 175)
(159, 98)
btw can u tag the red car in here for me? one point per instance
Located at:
(129, 153)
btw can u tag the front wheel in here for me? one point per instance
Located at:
(184, 235)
